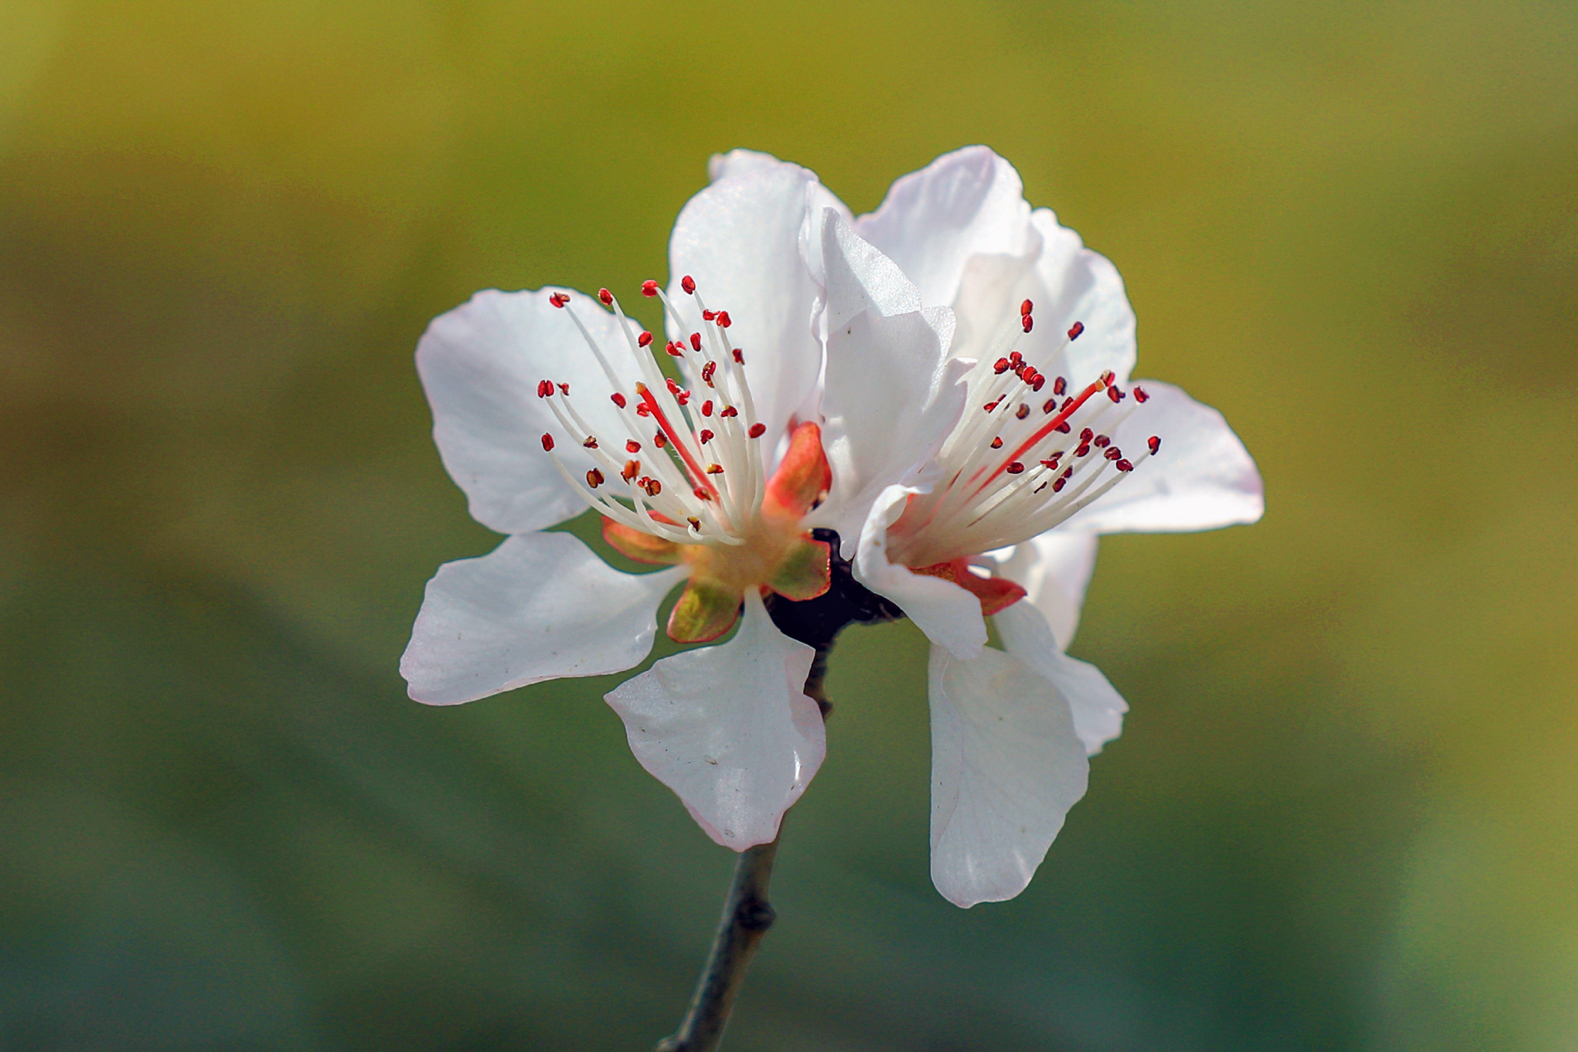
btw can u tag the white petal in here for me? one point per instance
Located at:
(480, 365)
(966, 203)
(1006, 767)
(539, 606)
(1096, 707)
(743, 240)
(1073, 284)
(949, 615)
(1203, 477)
(892, 394)
(1054, 570)
(729, 728)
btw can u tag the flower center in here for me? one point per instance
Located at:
(1029, 452)
(686, 464)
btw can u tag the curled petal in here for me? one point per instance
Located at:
(539, 606)
(892, 393)
(729, 728)
(1202, 478)
(1006, 768)
(949, 615)
(1096, 707)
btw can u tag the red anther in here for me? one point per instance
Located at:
(653, 487)
(1106, 378)
(714, 469)
(547, 442)
(618, 399)
(1014, 468)
(728, 410)
(706, 408)
(992, 405)
(688, 283)
(565, 388)
(1124, 465)
(757, 430)
(705, 436)
(673, 388)
(649, 287)
(632, 446)
(1014, 358)
(1063, 428)
(683, 398)
(739, 356)
(594, 478)
(544, 388)
(1027, 322)
(1060, 386)
(676, 350)
(1086, 435)
(1114, 453)
(558, 299)
(1058, 484)
(708, 315)
(1051, 463)
(606, 296)
(1141, 395)
(1001, 366)
(997, 443)
(707, 372)
(695, 341)
(1155, 444)
(659, 439)
(1101, 441)
(644, 340)
(723, 319)
(642, 409)
(1025, 308)
(695, 523)
(1020, 367)
(1083, 450)
(703, 494)
(1049, 405)
(1114, 394)
(1066, 403)
(1022, 412)
(632, 468)
(1027, 374)
(591, 442)
(1078, 327)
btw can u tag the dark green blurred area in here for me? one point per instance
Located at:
(1344, 810)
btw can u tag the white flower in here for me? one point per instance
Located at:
(545, 403)
(1055, 447)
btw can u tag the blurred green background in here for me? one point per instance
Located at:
(1342, 814)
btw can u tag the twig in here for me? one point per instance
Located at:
(746, 917)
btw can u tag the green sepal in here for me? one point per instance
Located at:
(805, 571)
(706, 609)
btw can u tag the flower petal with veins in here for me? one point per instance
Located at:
(539, 606)
(729, 728)
(1006, 768)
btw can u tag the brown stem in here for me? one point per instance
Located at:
(746, 917)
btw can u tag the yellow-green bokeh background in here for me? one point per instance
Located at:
(1344, 811)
